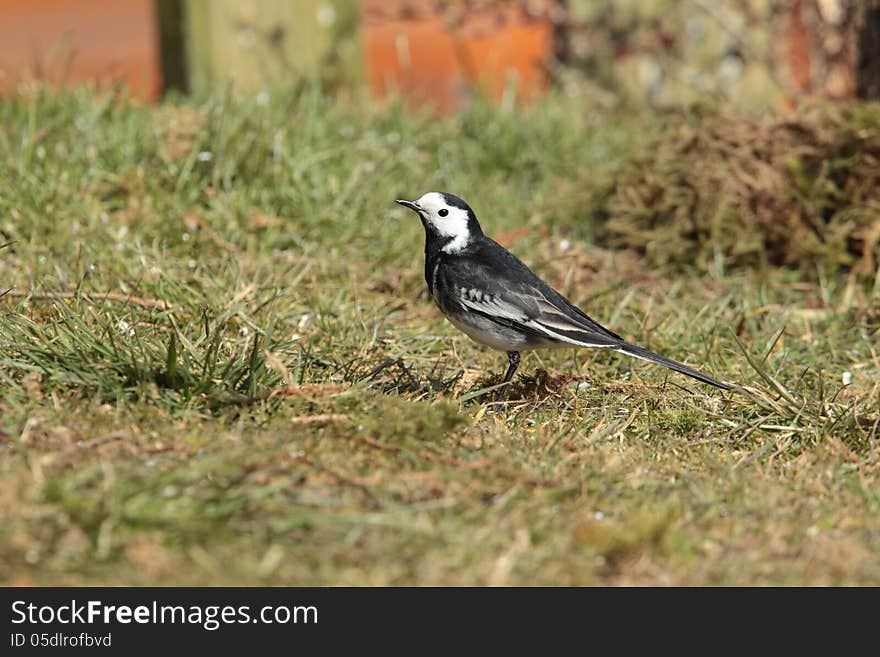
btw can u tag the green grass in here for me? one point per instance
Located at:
(268, 396)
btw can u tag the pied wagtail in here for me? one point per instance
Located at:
(486, 291)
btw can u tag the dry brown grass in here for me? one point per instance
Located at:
(734, 191)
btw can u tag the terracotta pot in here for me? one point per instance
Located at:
(78, 40)
(440, 53)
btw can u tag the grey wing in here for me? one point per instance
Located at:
(524, 302)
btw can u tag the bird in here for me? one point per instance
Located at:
(496, 300)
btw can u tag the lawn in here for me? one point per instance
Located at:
(219, 363)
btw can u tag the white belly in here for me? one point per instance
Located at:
(484, 331)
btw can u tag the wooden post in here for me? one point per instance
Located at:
(868, 47)
(172, 53)
(256, 43)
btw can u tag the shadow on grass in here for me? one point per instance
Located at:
(395, 376)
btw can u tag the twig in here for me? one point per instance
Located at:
(193, 222)
(152, 304)
(320, 420)
(372, 442)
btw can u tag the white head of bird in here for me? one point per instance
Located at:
(447, 218)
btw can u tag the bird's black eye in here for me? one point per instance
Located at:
(442, 212)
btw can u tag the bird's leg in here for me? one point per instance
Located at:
(513, 358)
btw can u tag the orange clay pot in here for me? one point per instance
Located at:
(441, 57)
(77, 40)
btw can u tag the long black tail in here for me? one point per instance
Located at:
(650, 356)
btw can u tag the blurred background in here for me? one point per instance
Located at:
(755, 54)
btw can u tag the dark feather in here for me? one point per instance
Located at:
(500, 287)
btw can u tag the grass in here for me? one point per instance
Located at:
(219, 365)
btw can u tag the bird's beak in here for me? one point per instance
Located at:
(412, 205)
